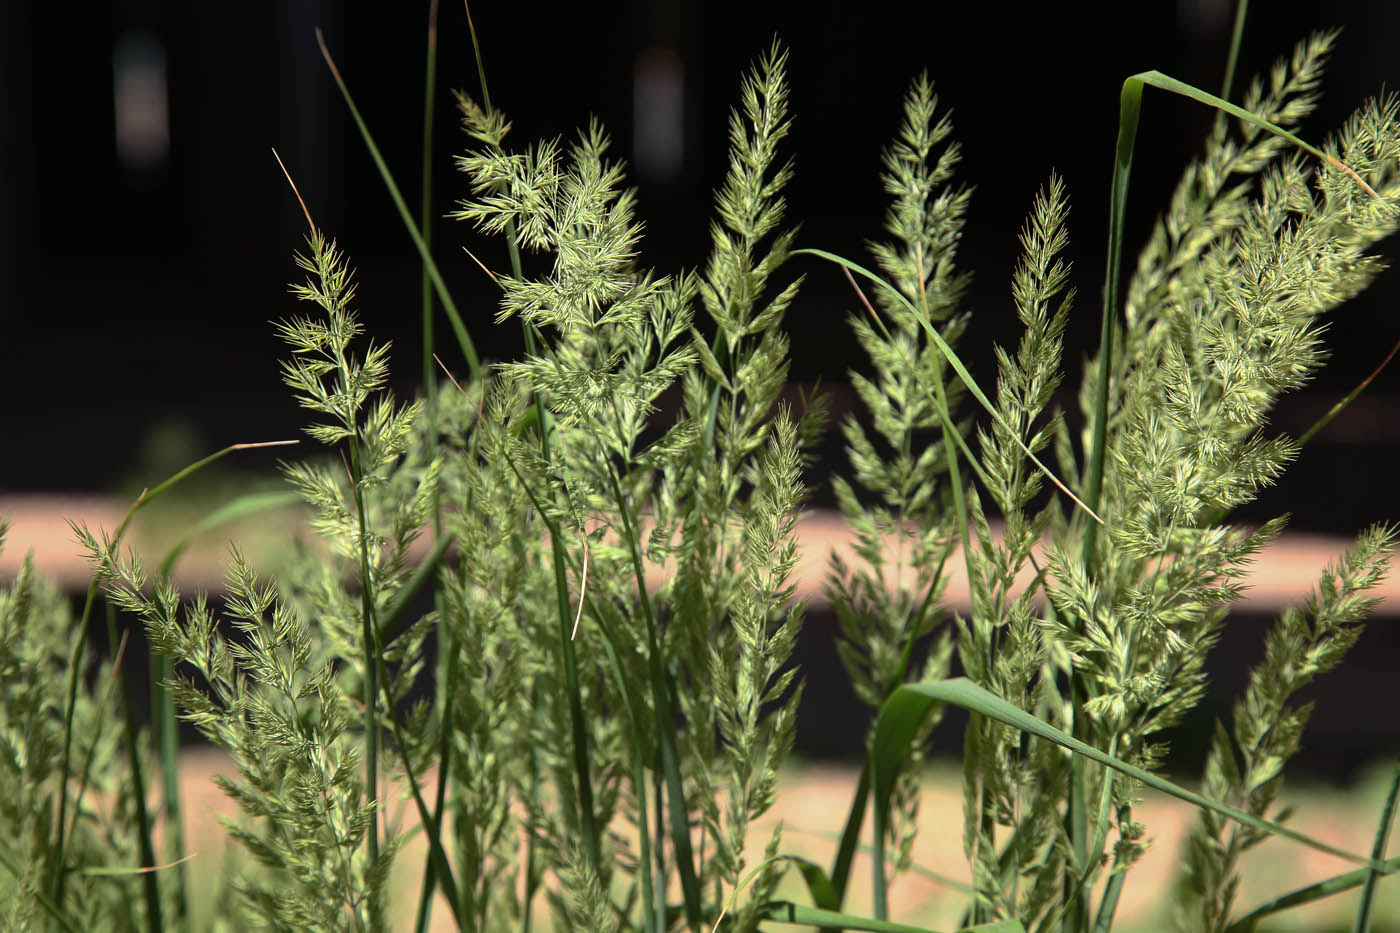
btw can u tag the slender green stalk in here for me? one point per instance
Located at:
(1236, 40)
(1350, 397)
(579, 728)
(150, 880)
(955, 362)
(1103, 921)
(85, 779)
(532, 879)
(1366, 909)
(664, 703)
(163, 703)
(369, 634)
(658, 911)
(612, 643)
(464, 339)
(433, 819)
(950, 445)
(850, 833)
(168, 745)
(512, 240)
(1312, 893)
(425, 227)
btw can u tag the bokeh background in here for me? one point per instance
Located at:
(146, 231)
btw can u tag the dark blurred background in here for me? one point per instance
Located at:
(146, 232)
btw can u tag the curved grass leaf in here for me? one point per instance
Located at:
(1313, 892)
(954, 362)
(906, 708)
(1130, 110)
(819, 886)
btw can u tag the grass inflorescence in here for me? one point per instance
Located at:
(572, 735)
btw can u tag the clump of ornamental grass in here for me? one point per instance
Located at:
(1107, 645)
(560, 621)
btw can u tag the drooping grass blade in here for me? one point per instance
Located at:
(901, 715)
(1313, 892)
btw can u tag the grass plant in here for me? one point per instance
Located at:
(571, 735)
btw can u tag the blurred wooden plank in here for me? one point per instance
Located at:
(1283, 574)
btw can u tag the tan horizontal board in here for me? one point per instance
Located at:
(1283, 574)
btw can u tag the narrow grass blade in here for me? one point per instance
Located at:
(1368, 893)
(1313, 892)
(512, 240)
(850, 836)
(1236, 40)
(788, 912)
(579, 731)
(1103, 921)
(167, 737)
(235, 509)
(85, 778)
(464, 339)
(953, 361)
(818, 886)
(614, 645)
(675, 802)
(663, 689)
(1348, 399)
(900, 717)
(1164, 82)
(571, 681)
